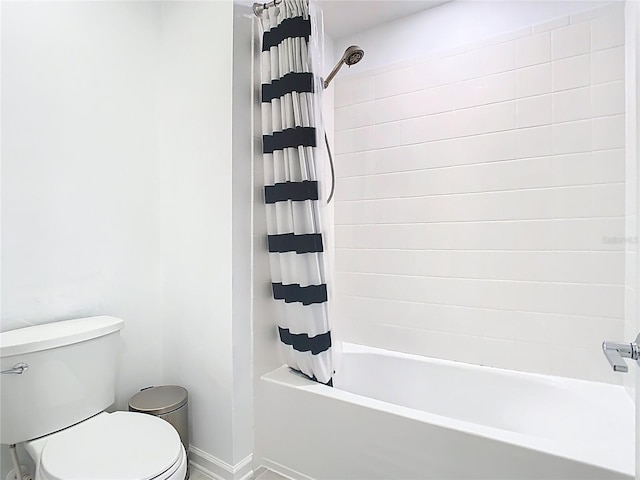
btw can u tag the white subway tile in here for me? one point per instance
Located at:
(607, 31)
(461, 67)
(608, 166)
(607, 65)
(427, 71)
(563, 361)
(440, 126)
(362, 114)
(571, 137)
(434, 72)
(354, 188)
(354, 164)
(363, 89)
(459, 179)
(412, 78)
(608, 99)
(516, 174)
(458, 233)
(534, 111)
(405, 158)
(499, 87)
(571, 72)
(574, 104)
(385, 84)
(535, 80)
(387, 135)
(590, 300)
(498, 352)
(355, 213)
(363, 139)
(530, 357)
(499, 116)
(607, 200)
(571, 40)
(342, 92)
(534, 142)
(386, 110)
(468, 121)
(492, 147)
(608, 132)
(426, 102)
(588, 201)
(588, 267)
(573, 169)
(468, 93)
(587, 234)
(411, 130)
(494, 59)
(344, 142)
(415, 104)
(591, 14)
(532, 326)
(504, 265)
(524, 235)
(343, 118)
(533, 49)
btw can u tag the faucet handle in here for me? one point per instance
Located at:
(617, 352)
(18, 369)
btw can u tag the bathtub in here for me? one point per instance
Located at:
(400, 416)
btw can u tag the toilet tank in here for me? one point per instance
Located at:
(70, 376)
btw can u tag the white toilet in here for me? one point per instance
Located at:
(55, 406)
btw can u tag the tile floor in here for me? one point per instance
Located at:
(260, 474)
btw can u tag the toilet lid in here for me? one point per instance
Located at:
(120, 445)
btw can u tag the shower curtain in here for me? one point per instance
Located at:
(291, 196)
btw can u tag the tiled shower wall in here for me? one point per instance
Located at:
(480, 200)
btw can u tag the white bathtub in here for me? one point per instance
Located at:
(400, 416)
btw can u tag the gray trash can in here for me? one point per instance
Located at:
(168, 402)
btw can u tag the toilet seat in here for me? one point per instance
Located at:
(114, 446)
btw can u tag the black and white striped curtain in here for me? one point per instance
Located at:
(291, 189)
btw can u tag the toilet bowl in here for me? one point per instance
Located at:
(57, 380)
(108, 446)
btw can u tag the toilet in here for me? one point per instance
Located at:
(57, 379)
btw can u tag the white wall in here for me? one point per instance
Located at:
(242, 246)
(477, 193)
(80, 223)
(118, 193)
(79, 185)
(195, 138)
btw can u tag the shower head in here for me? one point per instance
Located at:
(351, 56)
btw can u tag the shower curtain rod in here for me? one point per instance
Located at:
(258, 8)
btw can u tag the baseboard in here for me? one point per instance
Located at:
(219, 469)
(284, 471)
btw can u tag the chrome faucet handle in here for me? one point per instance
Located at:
(617, 352)
(18, 369)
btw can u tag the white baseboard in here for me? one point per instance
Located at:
(219, 469)
(284, 471)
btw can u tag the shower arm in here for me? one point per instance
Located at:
(333, 73)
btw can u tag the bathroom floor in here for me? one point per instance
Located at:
(260, 474)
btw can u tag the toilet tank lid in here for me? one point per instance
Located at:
(56, 334)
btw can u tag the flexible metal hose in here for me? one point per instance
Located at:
(333, 173)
